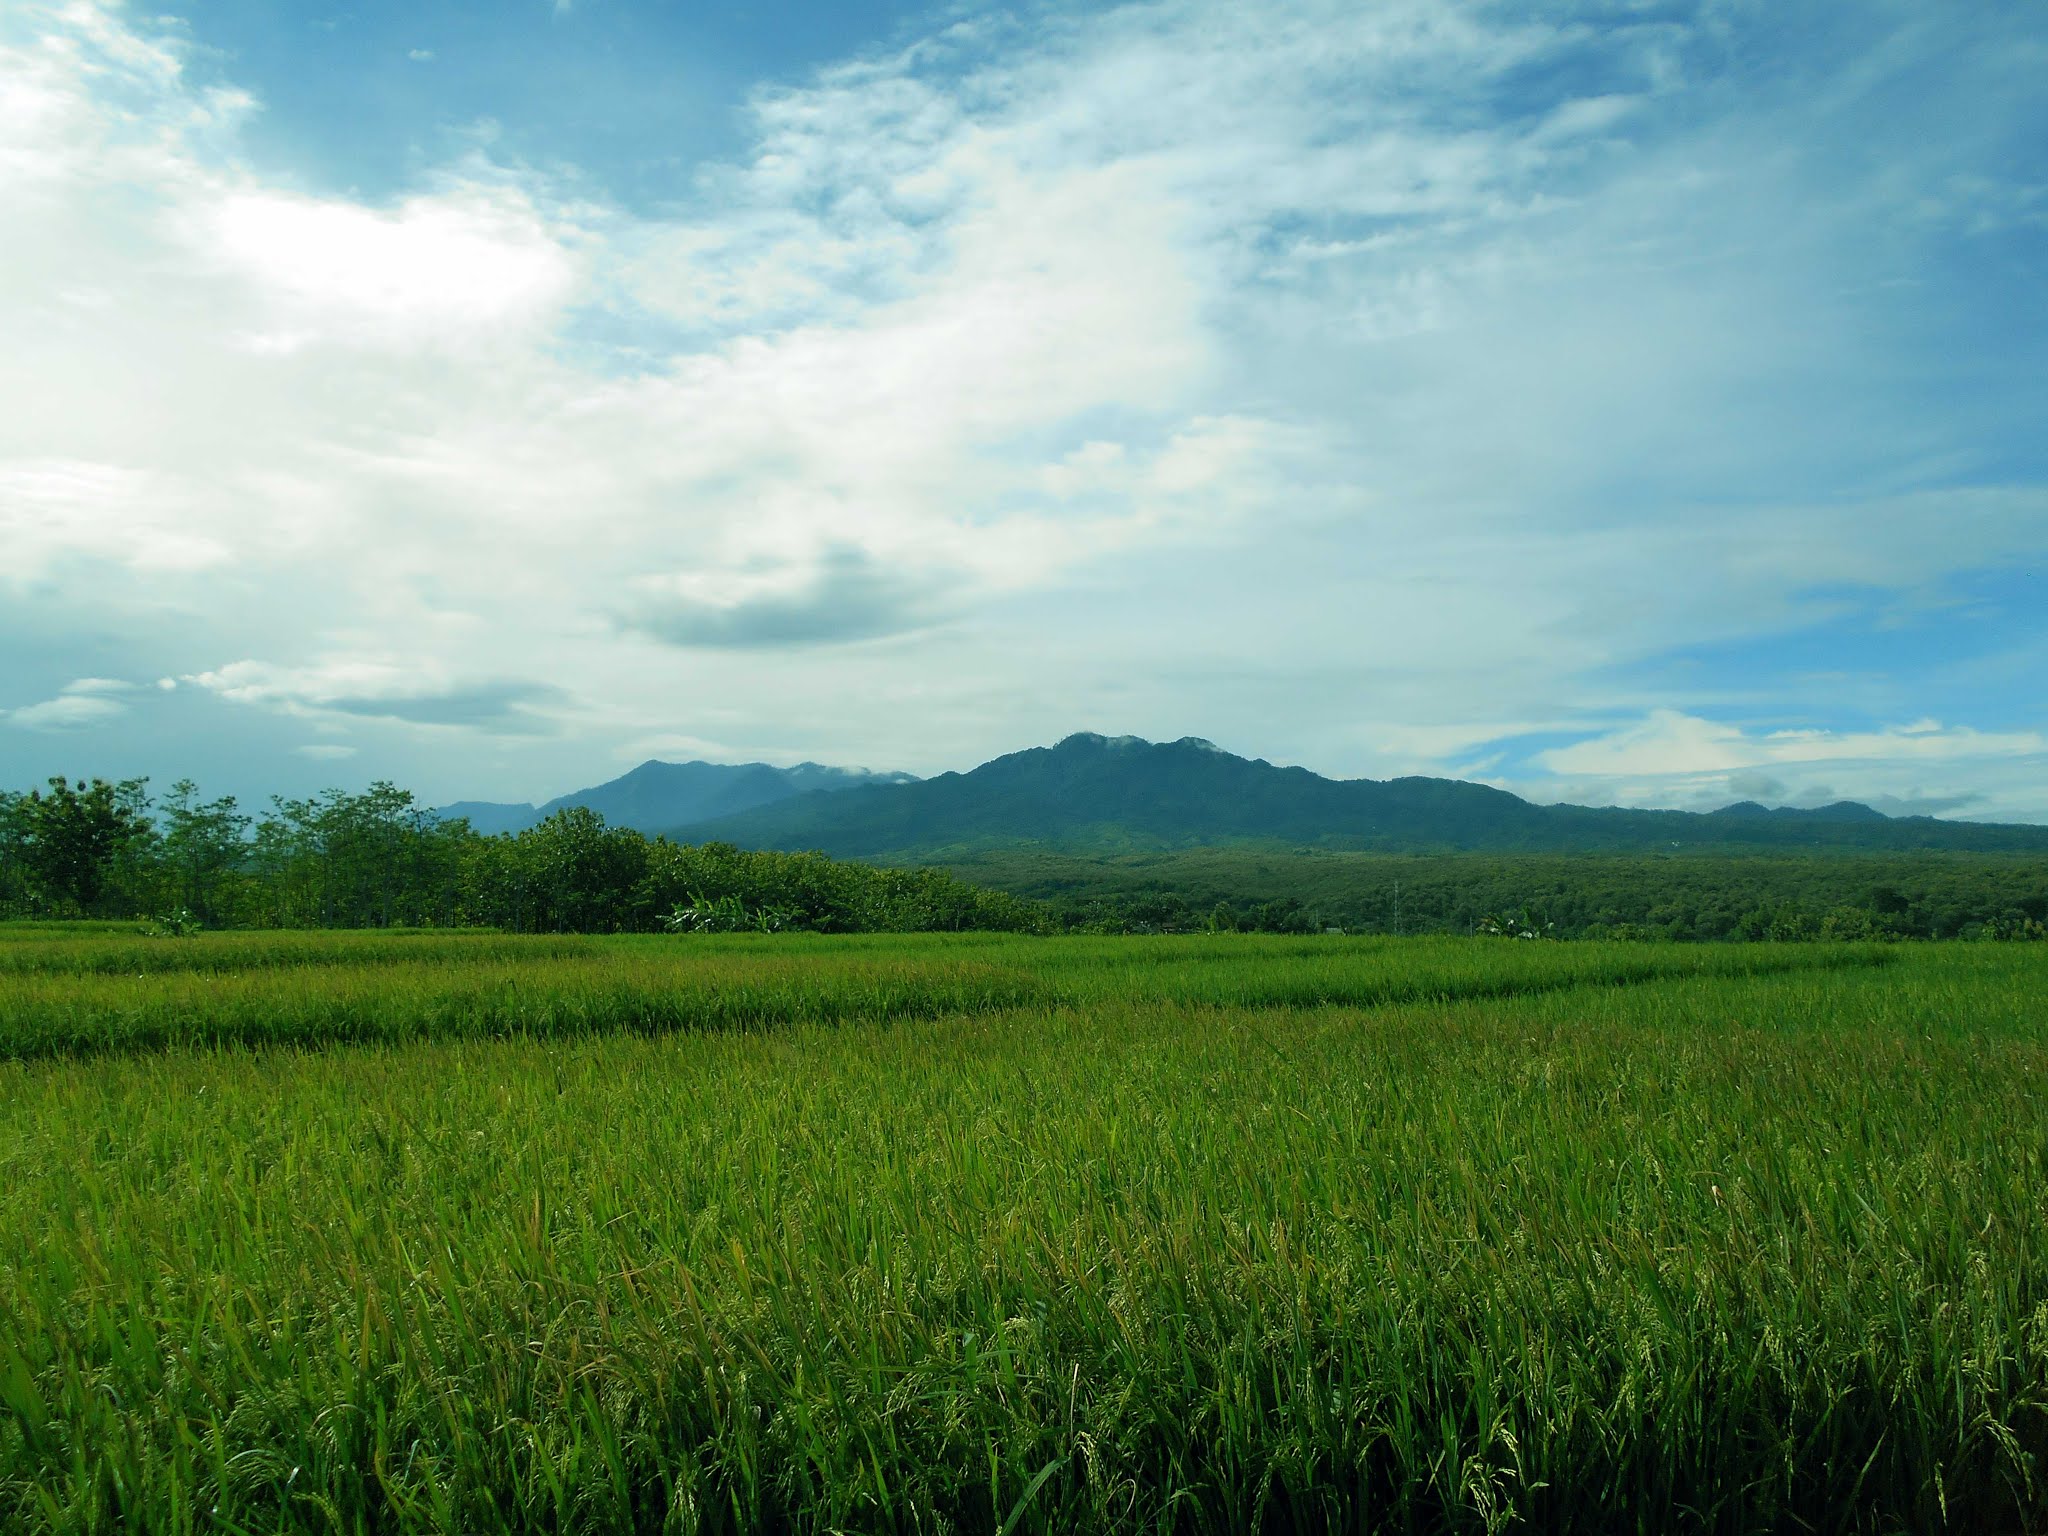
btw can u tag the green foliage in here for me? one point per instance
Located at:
(2015, 926)
(1689, 897)
(376, 859)
(1197, 1235)
(580, 875)
(178, 923)
(17, 892)
(1520, 924)
(79, 845)
(725, 914)
(338, 860)
(733, 888)
(203, 845)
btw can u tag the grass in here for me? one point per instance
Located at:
(1031, 1235)
(119, 992)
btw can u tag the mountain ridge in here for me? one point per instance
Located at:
(1092, 792)
(657, 795)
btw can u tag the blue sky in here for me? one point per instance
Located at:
(1626, 403)
(366, 99)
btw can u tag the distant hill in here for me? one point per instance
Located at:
(1840, 810)
(489, 817)
(1100, 794)
(657, 796)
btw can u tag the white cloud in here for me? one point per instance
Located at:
(467, 262)
(1422, 745)
(1249, 372)
(67, 712)
(1669, 742)
(51, 509)
(99, 686)
(418, 692)
(83, 703)
(1672, 758)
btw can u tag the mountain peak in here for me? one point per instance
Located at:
(1840, 810)
(1095, 741)
(1124, 794)
(1847, 810)
(657, 796)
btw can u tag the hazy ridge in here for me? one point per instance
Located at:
(1100, 794)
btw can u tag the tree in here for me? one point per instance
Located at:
(584, 873)
(368, 860)
(202, 843)
(14, 864)
(84, 840)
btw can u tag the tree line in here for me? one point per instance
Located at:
(378, 859)
(1686, 897)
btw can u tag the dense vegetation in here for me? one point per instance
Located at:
(378, 860)
(1210, 1234)
(1691, 896)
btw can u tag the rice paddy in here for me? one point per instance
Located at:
(462, 1232)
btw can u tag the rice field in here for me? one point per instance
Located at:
(462, 1232)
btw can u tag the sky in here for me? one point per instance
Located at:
(1623, 402)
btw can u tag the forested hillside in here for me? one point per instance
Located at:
(1688, 896)
(1097, 794)
(376, 859)
(657, 796)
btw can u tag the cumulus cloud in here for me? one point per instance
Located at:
(1672, 758)
(385, 689)
(83, 703)
(100, 686)
(66, 712)
(1368, 384)
(1669, 742)
(846, 596)
(470, 261)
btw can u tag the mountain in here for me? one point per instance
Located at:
(657, 796)
(489, 817)
(1840, 810)
(1104, 794)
